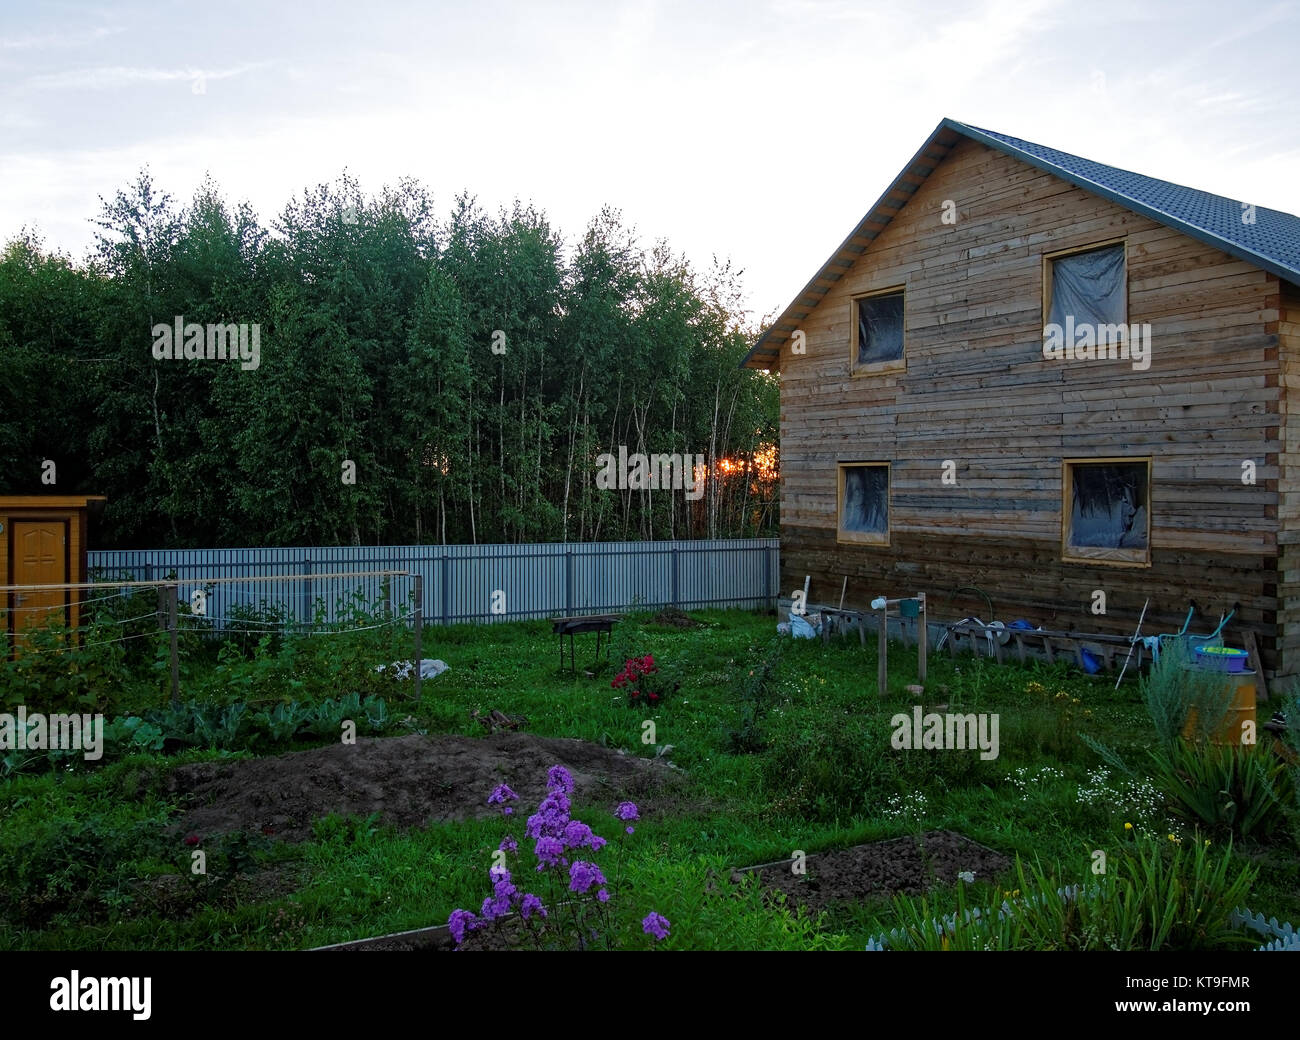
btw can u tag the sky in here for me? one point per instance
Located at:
(758, 133)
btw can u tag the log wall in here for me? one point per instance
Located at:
(978, 391)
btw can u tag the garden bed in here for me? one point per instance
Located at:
(900, 866)
(408, 781)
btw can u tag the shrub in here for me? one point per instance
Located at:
(1173, 689)
(1240, 790)
(645, 686)
(833, 773)
(755, 688)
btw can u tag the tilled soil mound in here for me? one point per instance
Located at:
(906, 866)
(410, 781)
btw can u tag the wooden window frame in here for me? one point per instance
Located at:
(875, 368)
(863, 537)
(1050, 258)
(1098, 554)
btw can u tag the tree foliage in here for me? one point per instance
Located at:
(419, 381)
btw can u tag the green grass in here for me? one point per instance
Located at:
(823, 777)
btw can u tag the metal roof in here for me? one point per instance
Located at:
(1272, 242)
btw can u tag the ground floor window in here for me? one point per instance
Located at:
(864, 502)
(1106, 510)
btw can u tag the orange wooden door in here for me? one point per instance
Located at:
(39, 558)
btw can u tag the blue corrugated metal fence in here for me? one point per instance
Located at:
(459, 581)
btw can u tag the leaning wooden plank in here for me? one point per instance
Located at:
(1252, 648)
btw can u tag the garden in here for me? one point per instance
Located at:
(712, 785)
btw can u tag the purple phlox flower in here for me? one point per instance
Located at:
(504, 893)
(508, 844)
(578, 835)
(499, 872)
(551, 817)
(459, 921)
(531, 904)
(549, 852)
(656, 925)
(582, 875)
(630, 830)
(602, 896)
(559, 778)
(627, 811)
(500, 795)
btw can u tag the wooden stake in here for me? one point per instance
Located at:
(922, 639)
(843, 589)
(882, 667)
(175, 662)
(419, 632)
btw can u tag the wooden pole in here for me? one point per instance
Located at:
(176, 664)
(922, 639)
(419, 624)
(843, 589)
(1136, 632)
(882, 666)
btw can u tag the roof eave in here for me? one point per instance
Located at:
(763, 355)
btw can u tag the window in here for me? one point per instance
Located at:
(878, 332)
(1090, 287)
(864, 503)
(1106, 511)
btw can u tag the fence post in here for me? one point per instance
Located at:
(446, 587)
(419, 631)
(673, 590)
(306, 611)
(767, 576)
(171, 625)
(568, 582)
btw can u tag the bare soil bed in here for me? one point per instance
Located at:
(904, 866)
(410, 781)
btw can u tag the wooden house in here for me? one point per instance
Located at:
(1025, 378)
(44, 543)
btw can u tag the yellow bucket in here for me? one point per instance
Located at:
(1232, 730)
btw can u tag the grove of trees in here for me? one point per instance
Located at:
(470, 371)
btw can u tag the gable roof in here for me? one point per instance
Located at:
(1271, 243)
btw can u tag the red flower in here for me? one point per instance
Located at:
(191, 839)
(654, 696)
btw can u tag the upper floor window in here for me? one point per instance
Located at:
(878, 332)
(1087, 288)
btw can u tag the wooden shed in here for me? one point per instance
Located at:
(44, 540)
(949, 425)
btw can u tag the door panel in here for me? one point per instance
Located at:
(39, 559)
